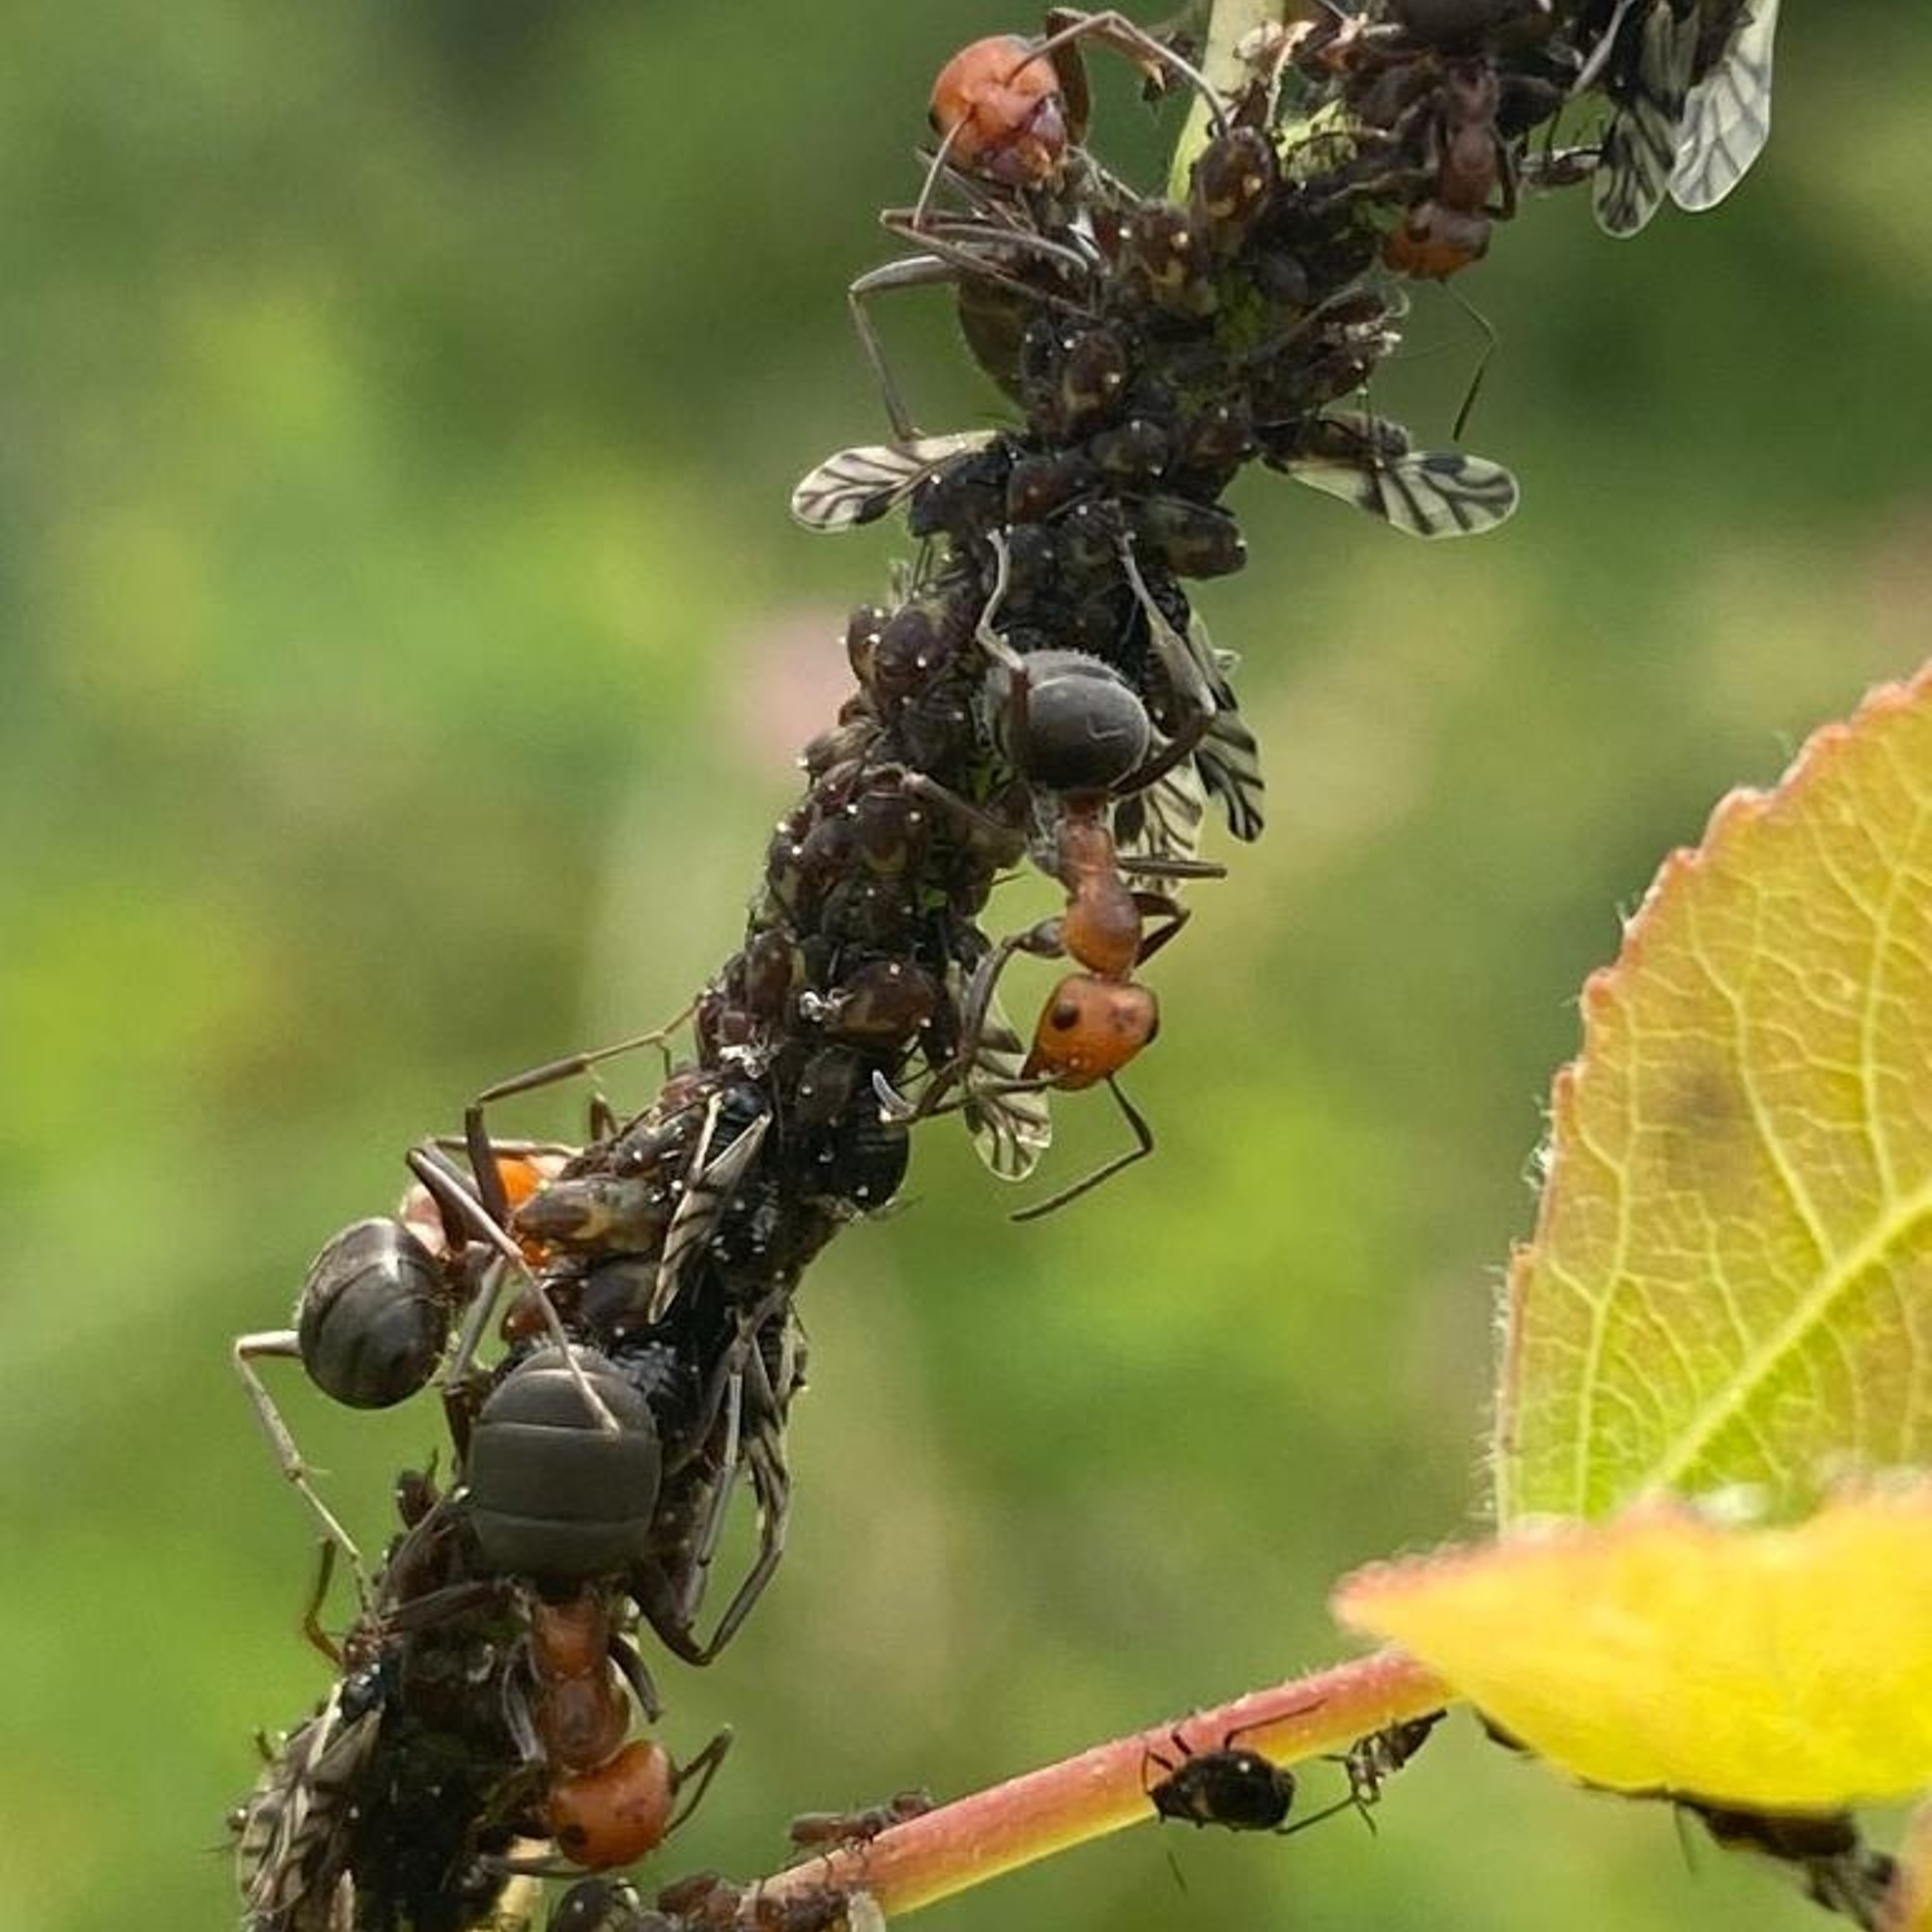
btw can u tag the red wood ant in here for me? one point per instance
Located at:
(609, 1802)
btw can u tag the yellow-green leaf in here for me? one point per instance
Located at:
(1730, 1279)
(1787, 1668)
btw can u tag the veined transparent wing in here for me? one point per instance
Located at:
(708, 1187)
(1230, 764)
(1161, 822)
(1727, 116)
(861, 485)
(1426, 493)
(1010, 1125)
(1648, 86)
(290, 1844)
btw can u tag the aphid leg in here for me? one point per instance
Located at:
(283, 1343)
(311, 1622)
(763, 1456)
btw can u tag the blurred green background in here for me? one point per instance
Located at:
(404, 644)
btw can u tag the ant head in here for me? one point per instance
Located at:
(997, 107)
(1089, 1029)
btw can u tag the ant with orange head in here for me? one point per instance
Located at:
(609, 1800)
(1474, 182)
(1079, 736)
(1012, 116)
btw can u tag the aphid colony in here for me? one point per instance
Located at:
(611, 1327)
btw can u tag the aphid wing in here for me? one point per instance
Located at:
(708, 1188)
(1162, 821)
(287, 1855)
(1641, 144)
(1429, 494)
(859, 486)
(1727, 116)
(1230, 764)
(1011, 1130)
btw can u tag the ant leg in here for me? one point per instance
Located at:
(913, 272)
(1142, 1148)
(451, 1196)
(703, 1768)
(482, 1156)
(283, 1343)
(631, 1667)
(1157, 905)
(1152, 57)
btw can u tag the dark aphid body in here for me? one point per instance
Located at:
(1824, 1848)
(819, 1830)
(1237, 1790)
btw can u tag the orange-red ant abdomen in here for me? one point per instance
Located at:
(997, 107)
(615, 1813)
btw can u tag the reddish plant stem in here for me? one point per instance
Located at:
(1104, 1789)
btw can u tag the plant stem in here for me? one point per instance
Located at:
(1105, 1789)
(1228, 23)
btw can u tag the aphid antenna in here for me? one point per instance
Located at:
(1481, 369)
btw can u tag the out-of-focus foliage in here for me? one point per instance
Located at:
(404, 640)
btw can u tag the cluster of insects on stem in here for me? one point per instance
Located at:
(611, 1325)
